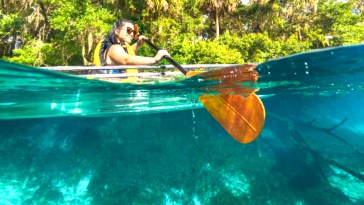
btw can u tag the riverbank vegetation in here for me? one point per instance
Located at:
(65, 32)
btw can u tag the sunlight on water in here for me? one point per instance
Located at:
(237, 184)
(75, 194)
(351, 186)
(11, 192)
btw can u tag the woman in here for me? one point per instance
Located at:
(116, 49)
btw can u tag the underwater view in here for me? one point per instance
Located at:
(67, 140)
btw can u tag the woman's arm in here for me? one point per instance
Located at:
(118, 56)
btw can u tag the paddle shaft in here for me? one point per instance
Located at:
(169, 59)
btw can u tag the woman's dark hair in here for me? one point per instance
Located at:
(117, 25)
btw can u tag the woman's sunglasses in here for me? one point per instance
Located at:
(130, 31)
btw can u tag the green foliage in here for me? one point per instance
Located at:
(348, 35)
(209, 52)
(189, 51)
(9, 28)
(181, 49)
(80, 24)
(38, 53)
(30, 54)
(9, 25)
(292, 45)
(255, 47)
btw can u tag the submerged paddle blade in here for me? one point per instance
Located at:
(243, 118)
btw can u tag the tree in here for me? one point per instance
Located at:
(216, 9)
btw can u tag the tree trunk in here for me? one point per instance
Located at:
(217, 25)
(83, 45)
(3, 6)
(299, 34)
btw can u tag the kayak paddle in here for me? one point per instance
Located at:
(169, 59)
(242, 117)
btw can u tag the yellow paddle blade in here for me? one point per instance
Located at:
(243, 118)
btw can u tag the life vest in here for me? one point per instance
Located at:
(99, 57)
(96, 56)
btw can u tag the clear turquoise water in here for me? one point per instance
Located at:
(67, 141)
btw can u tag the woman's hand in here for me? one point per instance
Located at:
(161, 53)
(141, 40)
